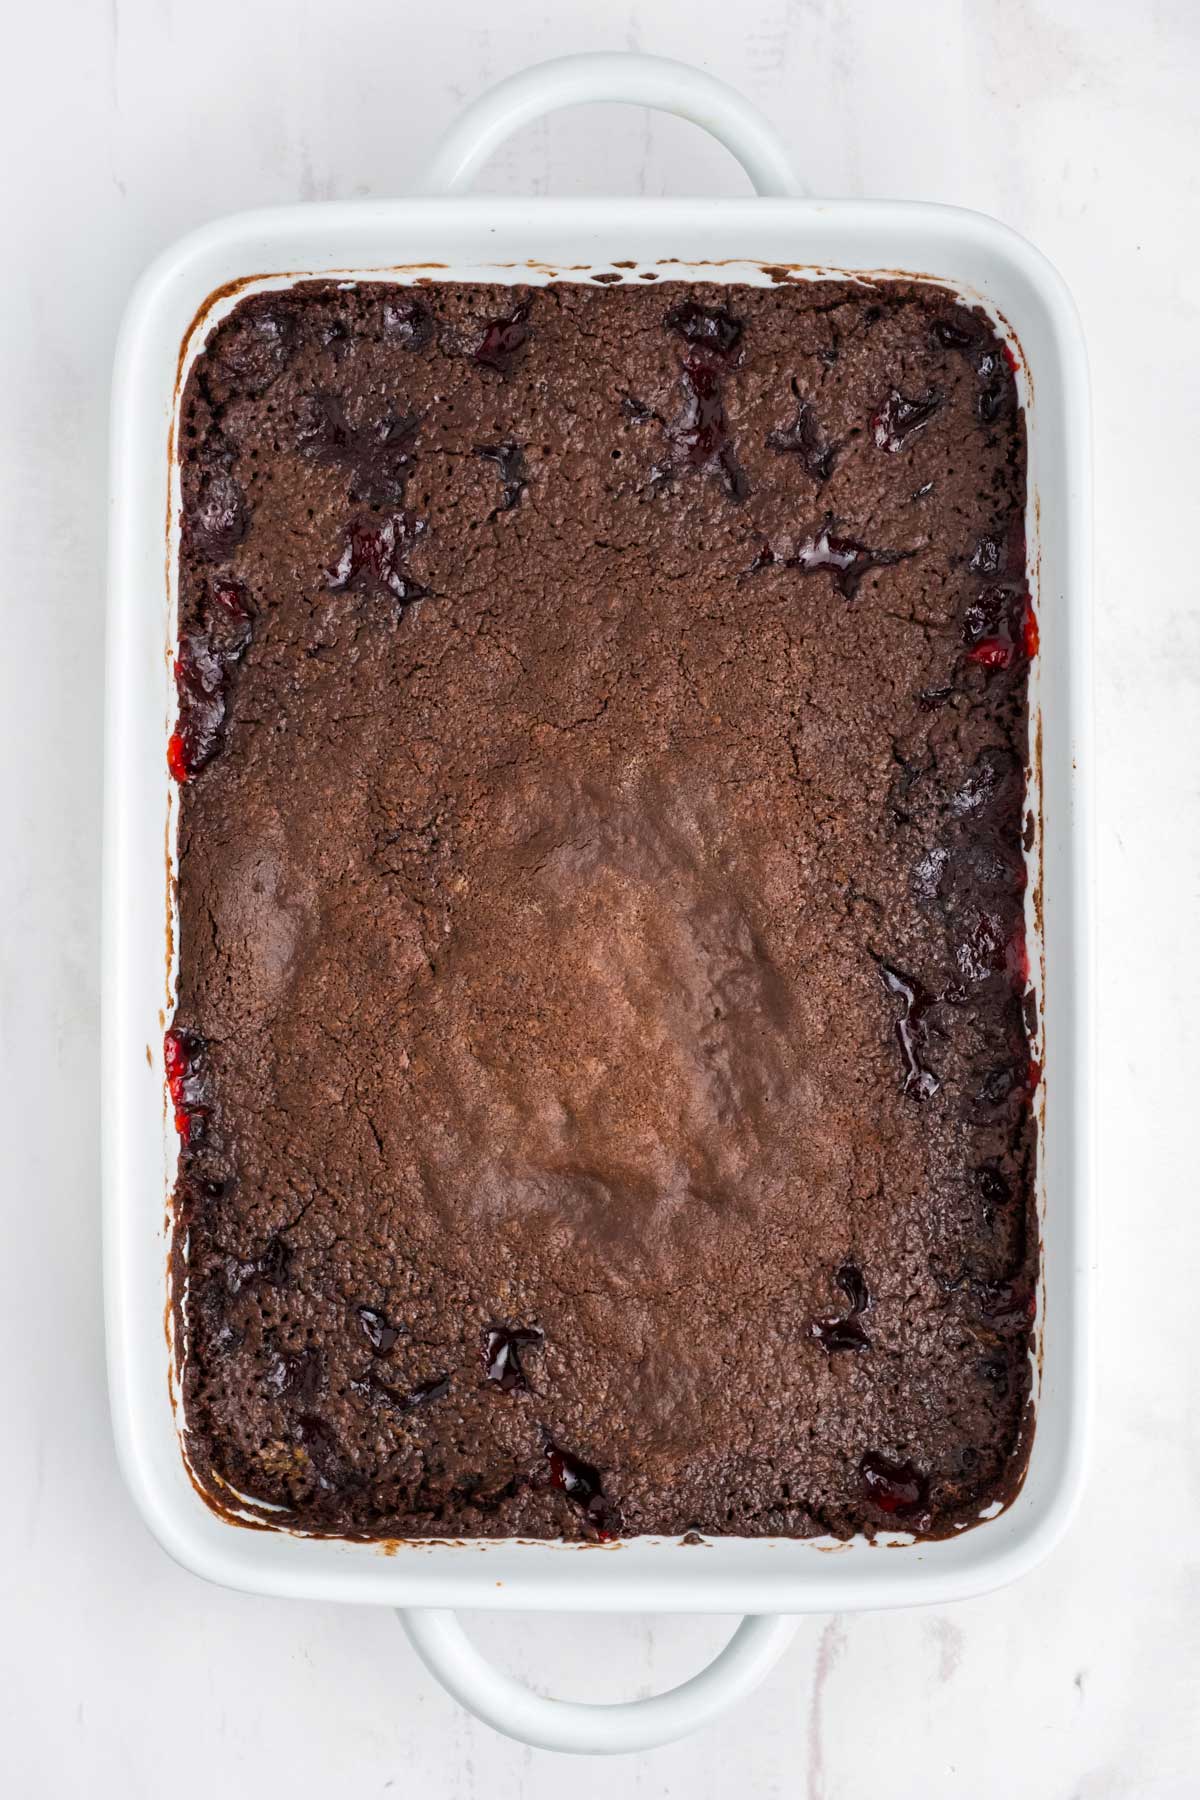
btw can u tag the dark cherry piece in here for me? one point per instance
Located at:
(372, 561)
(956, 331)
(1006, 1307)
(805, 440)
(501, 1353)
(997, 393)
(700, 436)
(899, 419)
(708, 328)
(853, 1284)
(846, 1334)
(381, 1335)
(510, 462)
(895, 1488)
(840, 1334)
(992, 1185)
(918, 1079)
(378, 458)
(253, 347)
(207, 653)
(184, 1057)
(583, 1484)
(1000, 628)
(503, 340)
(846, 560)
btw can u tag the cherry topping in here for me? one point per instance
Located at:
(184, 1058)
(177, 760)
(853, 1284)
(893, 1487)
(381, 1336)
(805, 440)
(1020, 1078)
(582, 1483)
(700, 436)
(848, 1333)
(207, 653)
(840, 1334)
(254, 345)
(708, 328)
(502, 341)
(992, 771)
(510, 462)
(845, 559)
(501, 1352)
(918, 1079)
(997, 393)
(900, 418)
(999, 628)
(1006, 1307)
(373, 558)
(378, 456)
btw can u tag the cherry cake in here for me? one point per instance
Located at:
(602, 1062)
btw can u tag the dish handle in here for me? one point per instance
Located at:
(654, 81)
(586, 1728)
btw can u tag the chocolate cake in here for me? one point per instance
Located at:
(601, 1061)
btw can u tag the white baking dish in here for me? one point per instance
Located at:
(519, 241)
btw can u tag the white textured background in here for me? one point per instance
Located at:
(127, 122)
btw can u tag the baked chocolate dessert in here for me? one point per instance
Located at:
(601, 1058)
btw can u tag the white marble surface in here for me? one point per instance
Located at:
(129, 121)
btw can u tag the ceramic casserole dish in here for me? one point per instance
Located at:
(504, 242)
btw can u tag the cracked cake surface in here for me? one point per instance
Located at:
(601, 1060)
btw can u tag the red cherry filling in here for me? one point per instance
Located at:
(184, 1058)
(1000, 629)
(503, 340)
(892, 1487)
(372, 561)
(501, 1353)
(206, 655)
